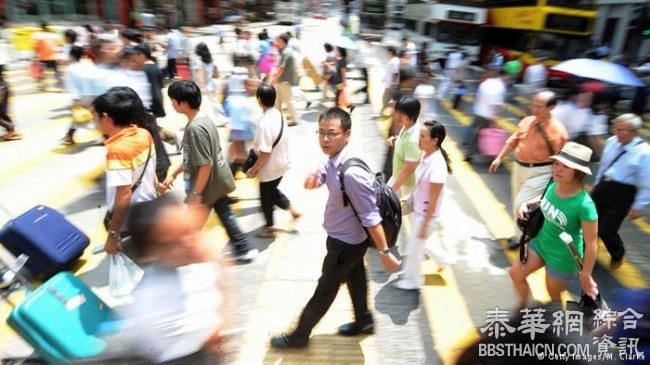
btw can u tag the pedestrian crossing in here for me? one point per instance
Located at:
(452, 312)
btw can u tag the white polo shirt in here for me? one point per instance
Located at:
(267, 133)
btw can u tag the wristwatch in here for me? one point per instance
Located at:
(114, 234)
(384, 252)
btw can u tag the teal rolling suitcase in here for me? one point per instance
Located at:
(62, 320)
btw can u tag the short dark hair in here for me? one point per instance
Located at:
(70, 35)
(76, 52)
(328, 47)
(409, 106)
(284, 37)
(266, 94)
(144, 49)
(122, 104)
(392, 50)
(131, 34)
(142, 220)
(185, 91)
(340, 114)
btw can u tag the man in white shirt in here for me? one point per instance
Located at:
(490, 96)
(411, 51)
(576, 115)
(454, 61)
(535, 77)
(272, 147)
(391, 80)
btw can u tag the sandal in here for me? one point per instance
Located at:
(12, 136)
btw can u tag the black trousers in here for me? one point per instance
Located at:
(613, 201)
(170, 71)
(271, 196)
(342, 264)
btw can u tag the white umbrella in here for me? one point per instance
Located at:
(599, 70)
(341, 41)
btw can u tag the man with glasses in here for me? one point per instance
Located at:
(622, 183)
(347, 240)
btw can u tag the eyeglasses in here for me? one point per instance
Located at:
(329, 134)
(616, 130)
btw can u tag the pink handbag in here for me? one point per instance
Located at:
(491, 141)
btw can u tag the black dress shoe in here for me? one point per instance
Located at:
(286, 342)
(354, 328)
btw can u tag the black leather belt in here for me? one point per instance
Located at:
(531, 164)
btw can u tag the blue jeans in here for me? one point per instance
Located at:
(238, 239)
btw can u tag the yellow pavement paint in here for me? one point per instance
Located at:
(628, 275)
(507, 106)
(36, 132)
(38, 159)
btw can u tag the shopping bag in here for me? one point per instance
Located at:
(36, 70)
(123, 275)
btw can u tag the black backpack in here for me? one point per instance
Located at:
(388, 203)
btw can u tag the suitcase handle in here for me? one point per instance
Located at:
(9, 276)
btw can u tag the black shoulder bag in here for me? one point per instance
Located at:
(531, 225)
(252, 155)
(109, 214)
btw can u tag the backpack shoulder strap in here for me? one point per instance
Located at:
(351, 162)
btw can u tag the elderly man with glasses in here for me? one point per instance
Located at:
(622, 183)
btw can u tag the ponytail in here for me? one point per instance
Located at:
(447, 160)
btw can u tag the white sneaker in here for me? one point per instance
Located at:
(404, 284)
(247, 257)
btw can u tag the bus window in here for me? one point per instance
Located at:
(431, 29)
(411, 24)
(507, 38)
(462, 34)
(574, 4)
(560, 46)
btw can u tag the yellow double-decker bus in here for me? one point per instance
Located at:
(554, 29)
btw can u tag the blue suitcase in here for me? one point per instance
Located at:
(47, 237)
(63, 320)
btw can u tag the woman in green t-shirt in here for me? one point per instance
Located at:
(567, 207)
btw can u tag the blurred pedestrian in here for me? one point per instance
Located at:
(391, 79)
(46, 43)
(489, 99)
(78, 75)
(576, 114)
(453, 63)
(130, 160)
(203, 73)
(272, 147)
(206, 174)
(347, 239)
(178, 307)
(238, 108)
(285, 77)
(342, 99)
(5, 120)
(410, 51)
(567, 208)
(537, 138)
(535, 76)
(174, 48)
(428, 200)
(622, 184)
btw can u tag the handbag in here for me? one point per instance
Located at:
(251, 160)
(530, 225)
(108, 217)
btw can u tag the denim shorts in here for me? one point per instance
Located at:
(555, 274)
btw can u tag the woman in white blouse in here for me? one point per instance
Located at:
(431, 177)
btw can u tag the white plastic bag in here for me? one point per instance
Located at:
(123, 275)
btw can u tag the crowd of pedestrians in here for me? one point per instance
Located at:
(115, 80)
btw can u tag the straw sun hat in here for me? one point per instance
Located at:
(575, 156)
